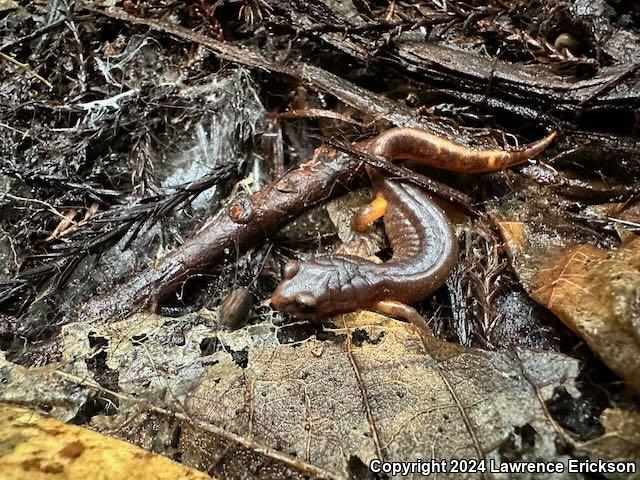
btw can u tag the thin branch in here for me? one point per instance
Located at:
(35, 34)
(26, 68)
(247, 221)
(248, 443)
(365, 397)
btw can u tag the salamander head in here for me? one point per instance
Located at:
(311, 289)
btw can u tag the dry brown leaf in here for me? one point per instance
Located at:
(331, 408)
(513, 234)
(595, 292)
(625, 217)
(155, 357)
(341, 211)
(40, 388)
(320, 408)
(621, 440)
(39, 448)
(619, 443)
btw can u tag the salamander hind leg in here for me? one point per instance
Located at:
(369, 213)
(406, 312)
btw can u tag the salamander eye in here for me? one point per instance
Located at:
(305, 302)
(290, 269)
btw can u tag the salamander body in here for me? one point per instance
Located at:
(424, 252)
(420, 234)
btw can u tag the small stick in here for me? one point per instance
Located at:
(27, 69)
(246, 221)
(32, 35)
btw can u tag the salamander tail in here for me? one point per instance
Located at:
(532, 149)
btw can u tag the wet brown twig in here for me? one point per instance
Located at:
(246, 221)
(377, 106)
(35, 34)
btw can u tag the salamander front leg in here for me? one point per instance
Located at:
(401, 310)
(369, 213)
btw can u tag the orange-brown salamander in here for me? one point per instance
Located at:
(421, 237)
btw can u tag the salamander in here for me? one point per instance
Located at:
(421, 237)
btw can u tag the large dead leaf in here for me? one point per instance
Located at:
(333, 403)
(256, 408)
(621, 440)
(38, 448)
(40, 387)
(156, 357)
(594, 291)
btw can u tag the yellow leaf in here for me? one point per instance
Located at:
(33, 447)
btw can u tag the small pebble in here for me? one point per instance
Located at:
(568, 41)
(234, 308)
